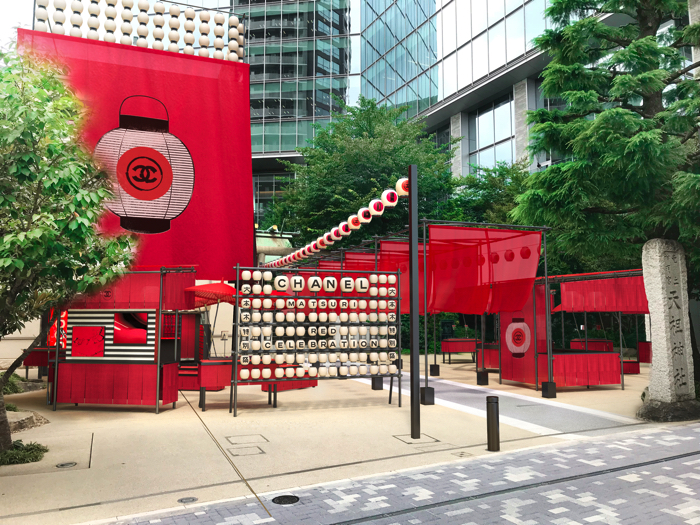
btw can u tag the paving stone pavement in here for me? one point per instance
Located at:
(648, 477)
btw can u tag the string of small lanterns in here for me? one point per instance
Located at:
(376, 207)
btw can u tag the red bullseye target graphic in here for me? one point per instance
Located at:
(144, 173)
(518, 337)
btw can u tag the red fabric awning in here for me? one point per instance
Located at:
(619, 294)
(481, 270)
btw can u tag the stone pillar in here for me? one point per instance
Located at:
(671, 385)
(456, 131)
(524, 99)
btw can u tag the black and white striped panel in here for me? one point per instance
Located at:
(131, 352)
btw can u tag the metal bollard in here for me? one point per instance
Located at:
(492, 428)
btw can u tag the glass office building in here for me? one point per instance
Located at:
(467, 66)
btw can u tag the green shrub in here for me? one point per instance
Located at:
(12, 386)
(11, 407)
(22, 453)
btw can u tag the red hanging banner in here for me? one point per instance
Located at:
(174, 132)
(481, 270)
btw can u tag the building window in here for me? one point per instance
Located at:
(491, 135)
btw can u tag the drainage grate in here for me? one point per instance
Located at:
(69, 464)
(187, 500)
(285, 500)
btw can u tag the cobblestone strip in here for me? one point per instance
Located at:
(665, 492)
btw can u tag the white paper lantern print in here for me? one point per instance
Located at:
(362, 370)
(267, 303)
(328, 239)
(323, 317)
(383, 369)
(361, 285)
(267, 330)
(333, 371)
(289, 317)
(363, 330)
(279, 373)
(353, 317)
(279, 317)
(332, 317)
(281, 283)
(256, 302)
(354, 222)
(374, 291)
(382, 317)
(362, 316)
(382, 279)
(402, 187)
(300, 372)
(267, 276)
(255, 373)
(372, 317)
(335, 234)
(255, 345)
(266, 373)
(353, 330)
(376, 207)
(343, 317)
(322, 372)
(279, 331)
(153, 168)
(383, 330)
(364, 215)
(257, 275)
(257, 317)
(322, 358)
(313, 371)
(257, 289)
(343, 330)
(245, 374)
(332, 357)
(347, 284)
(373, 305)
(383, 292)
(393, 369)
(330, 284)
(344, 229)
(313, 317)
(391, 279)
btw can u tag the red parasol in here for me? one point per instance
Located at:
(206, 294)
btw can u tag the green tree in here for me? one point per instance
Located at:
(51, 198)
(353, 160)
(628, 134)
(489, 194)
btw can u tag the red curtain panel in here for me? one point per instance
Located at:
(478, 270)
(619, 294)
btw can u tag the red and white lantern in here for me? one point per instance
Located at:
(390, 198)
(402, 186)
(335, 234)
(153, 168)
(344, 229)
(328, 239)
(365, 215)
(376, 207)
(354, 222)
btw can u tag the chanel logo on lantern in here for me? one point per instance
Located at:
(153, 168)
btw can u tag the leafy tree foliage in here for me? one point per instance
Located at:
(353, 160)
(628, 133)
(51, 197)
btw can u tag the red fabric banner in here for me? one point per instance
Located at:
(174, 131)
(477, 270)
(620, 294)
(393, 257)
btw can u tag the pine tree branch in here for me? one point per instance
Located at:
(672, 78)
(605, 211)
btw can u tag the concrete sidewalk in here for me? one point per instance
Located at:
(648, 477)
(129, 460)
